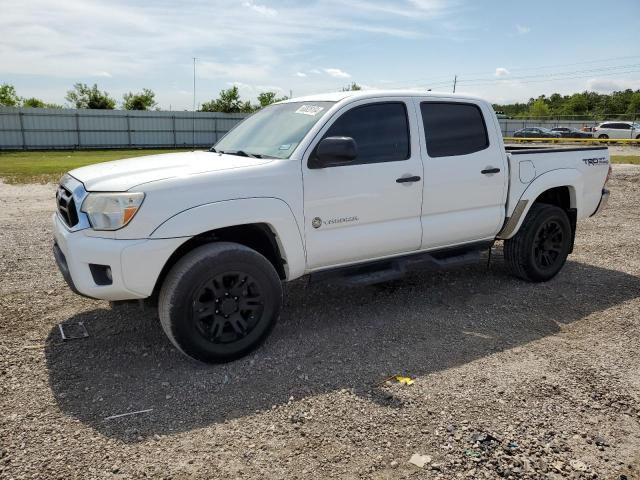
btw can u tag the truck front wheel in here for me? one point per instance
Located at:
(220, 301)
(540, 248)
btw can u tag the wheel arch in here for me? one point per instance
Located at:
(562, 188)
(257, 236)
(266, 225)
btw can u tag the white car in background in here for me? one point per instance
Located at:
(617, 130)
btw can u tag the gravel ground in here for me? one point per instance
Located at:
(512, 379)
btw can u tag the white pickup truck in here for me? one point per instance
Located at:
(356, 186)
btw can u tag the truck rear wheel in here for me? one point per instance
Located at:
(540, 248)
(219, 302)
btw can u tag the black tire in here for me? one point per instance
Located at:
(540, 248)
(603, 136)
(637, 137)
(220, 302)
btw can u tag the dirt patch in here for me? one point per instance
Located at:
(511, 379)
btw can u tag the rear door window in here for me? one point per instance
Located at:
(453, 128)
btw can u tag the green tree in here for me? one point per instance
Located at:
(267, 98)
(586, 105)
(83, 96)
(144, 100)
(34, 102)
(634, 103)
(539, 109)
(555, 102)
(8, 96)
(576, 104)
(353, 87)
(229, 101)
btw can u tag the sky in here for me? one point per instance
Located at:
(504, 51)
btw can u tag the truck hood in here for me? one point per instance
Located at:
(122, 175)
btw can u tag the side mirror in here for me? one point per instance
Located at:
(333, 151)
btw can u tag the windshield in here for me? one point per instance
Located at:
(274, 131)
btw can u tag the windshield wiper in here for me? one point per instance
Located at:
(242, 153)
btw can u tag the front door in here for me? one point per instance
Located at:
(359, 210)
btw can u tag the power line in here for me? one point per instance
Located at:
(524, 79)
(554, 79)
(444, 79)
(572, 72)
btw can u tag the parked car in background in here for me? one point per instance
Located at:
(617, 130)
(567, 132)
(536, 132)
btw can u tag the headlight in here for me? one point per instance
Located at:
(111, 211)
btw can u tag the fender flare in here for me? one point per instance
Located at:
(563, 177)
(273, 212)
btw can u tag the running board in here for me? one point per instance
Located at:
(387, 270)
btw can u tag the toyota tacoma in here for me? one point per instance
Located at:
(357, 187)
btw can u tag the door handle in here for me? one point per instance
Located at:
(415, 178)
(487, 171)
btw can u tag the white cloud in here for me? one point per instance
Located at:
(151, 44)
(261, 9)
(336, 73)
(501, 72)
(522, 30)
(213, 70)
(251, 89)
(608, 85)
(428, 5)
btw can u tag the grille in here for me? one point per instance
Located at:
(66, 206)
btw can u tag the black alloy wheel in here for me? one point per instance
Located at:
(227, 307)
(220, 301)
(538, 251)
(548, 245)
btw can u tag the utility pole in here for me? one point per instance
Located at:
(193, 128)
(455, 80)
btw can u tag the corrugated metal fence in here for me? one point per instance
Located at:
(41, 128)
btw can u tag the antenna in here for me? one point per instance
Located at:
(455, 80)
(193, 129)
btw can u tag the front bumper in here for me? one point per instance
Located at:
(134, 264)
(604, 199)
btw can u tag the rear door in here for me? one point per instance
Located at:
(358, 210)
(621, 130)
(465, 173)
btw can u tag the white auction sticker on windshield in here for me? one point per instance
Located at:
(309, 109)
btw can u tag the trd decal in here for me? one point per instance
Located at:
(595, 161)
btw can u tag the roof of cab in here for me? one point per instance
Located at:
(361, 94)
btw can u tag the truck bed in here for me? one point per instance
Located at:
(584, 170)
